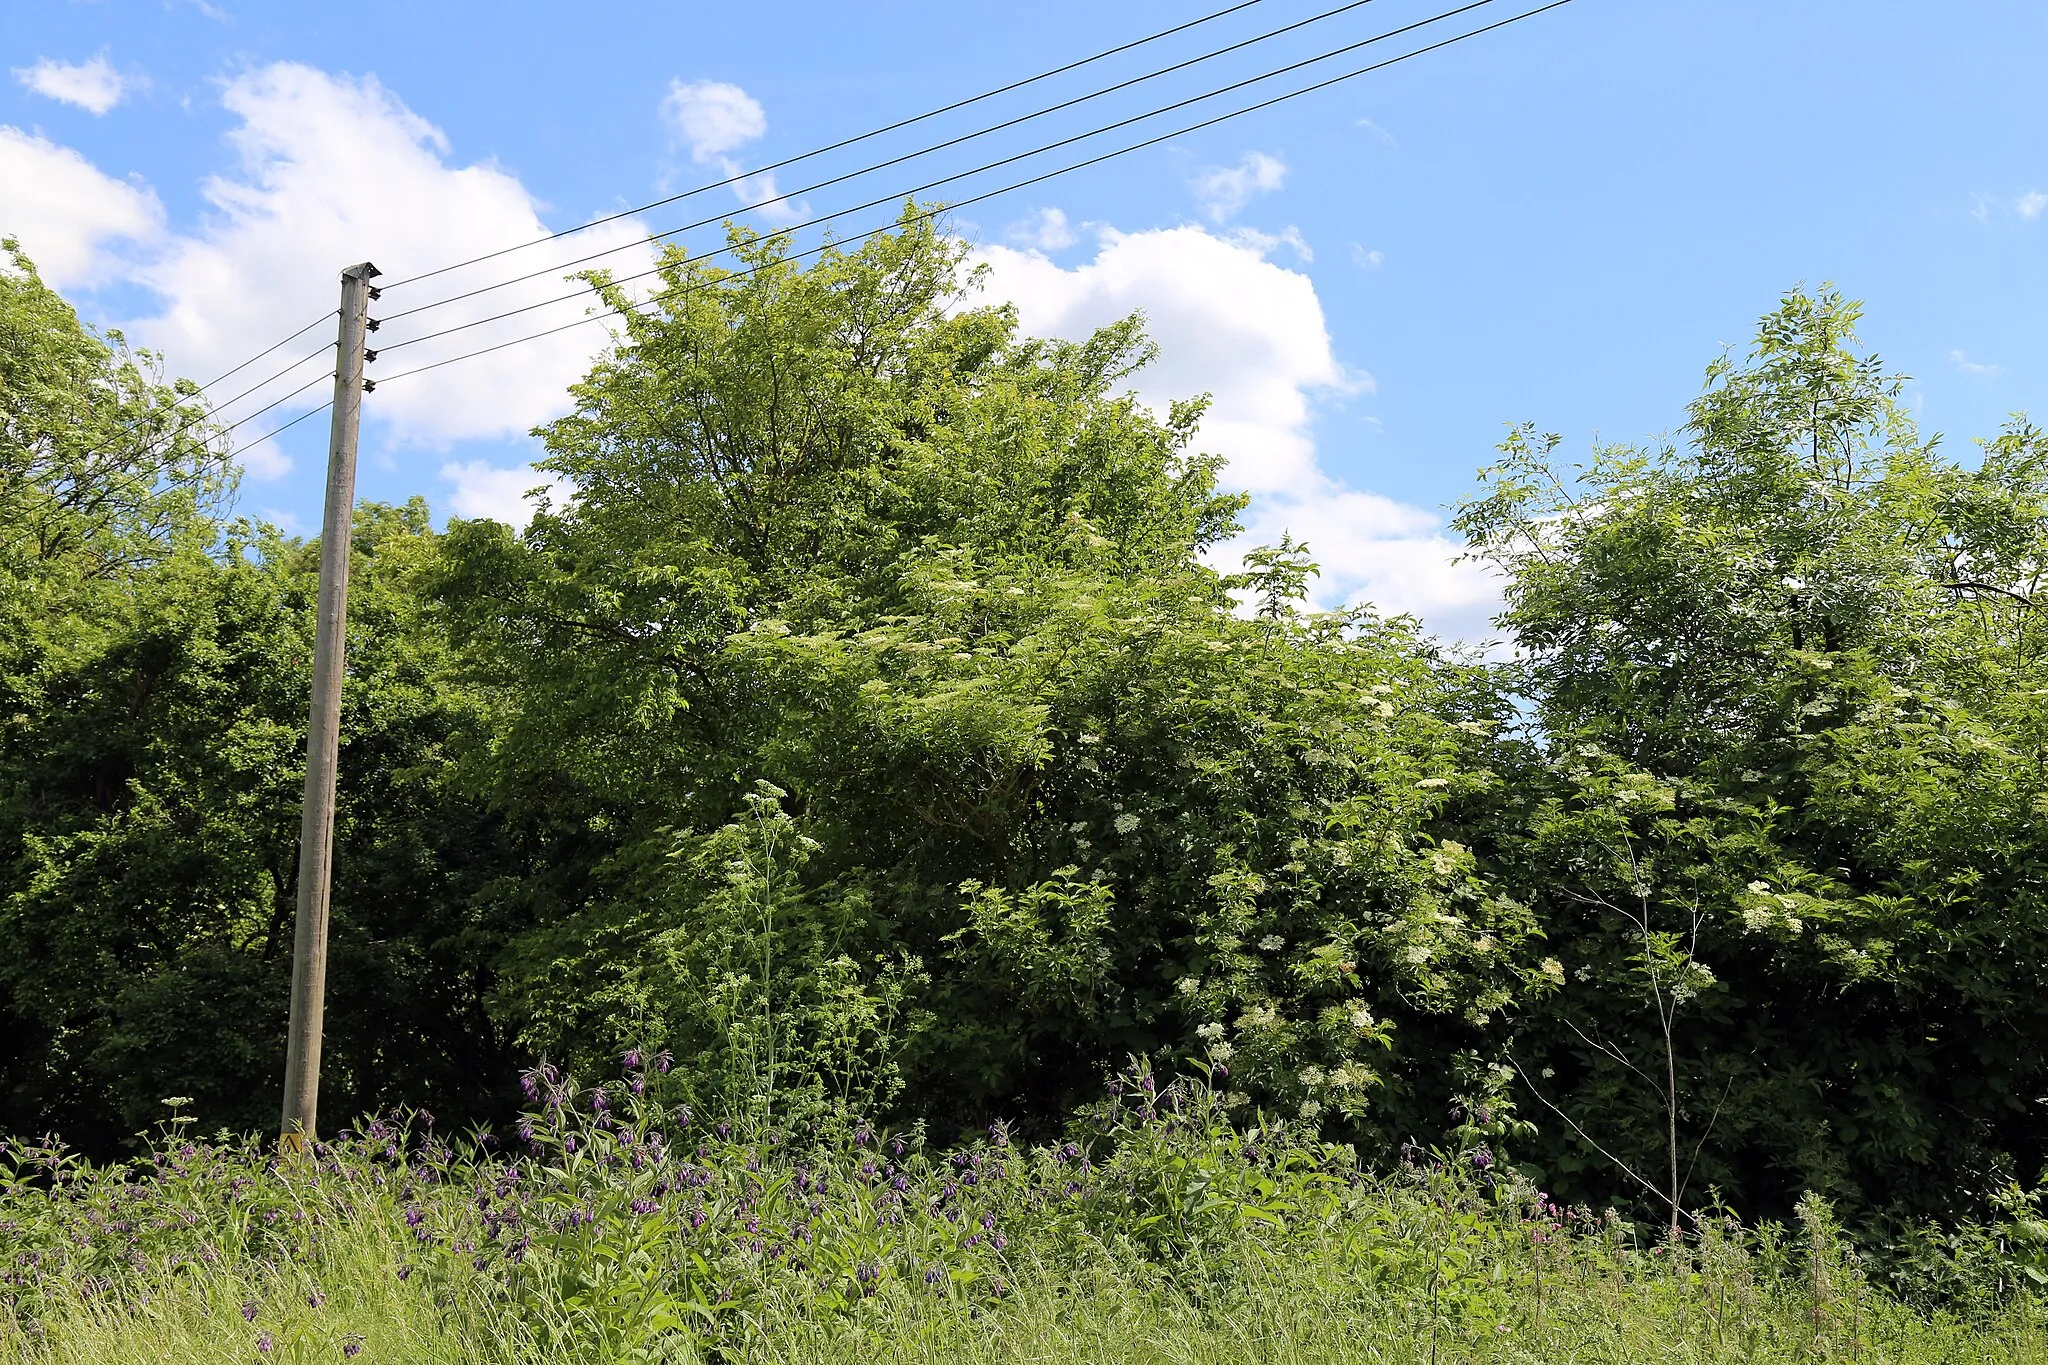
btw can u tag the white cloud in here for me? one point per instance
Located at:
(2027, 207)
(1366, 260)
(333, 170)
(1263, 243)
(1382, 134)
(93, 86)
(67, 212)
(1223, 190)
(1969, 366)
(1045, 230)
(329, 170)
(507, 495)
(1251, 333)
(712, 120)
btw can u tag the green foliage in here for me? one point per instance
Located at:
(868, 720)
(1158, 1231)
(1787, 679)
(840, 530)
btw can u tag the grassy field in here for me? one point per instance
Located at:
(1160, 1234)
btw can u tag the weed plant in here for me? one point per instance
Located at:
(610, 1229)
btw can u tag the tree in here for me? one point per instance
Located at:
(1818, 636)
(839, 529)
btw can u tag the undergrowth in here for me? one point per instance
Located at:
(1160, 1231)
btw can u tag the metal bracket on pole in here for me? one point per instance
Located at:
(323, 731)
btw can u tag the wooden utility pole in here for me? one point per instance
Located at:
(323, 730)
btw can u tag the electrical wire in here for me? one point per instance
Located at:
(896, 196)
(920, 152)
(194, 419)
(267, 351)
(316, 379)
(839, 145)
(274, 431)
(1038, 179)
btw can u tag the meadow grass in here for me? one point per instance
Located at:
(1159, 1233)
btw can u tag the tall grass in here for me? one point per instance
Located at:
(1159, 1233)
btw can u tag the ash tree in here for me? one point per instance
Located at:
(907, 752)
(1787, 674)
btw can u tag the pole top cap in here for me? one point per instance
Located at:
(365, 271)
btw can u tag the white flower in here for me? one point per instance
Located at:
(1126, 823)
(1434, 782)
(1760, 888)
(1309, 1109)
(1188, 985)
(1554, 969)
(1272, 943)
(1222, 1052)
(1236, 1099)
(1312, 1076)
(1078, 827)
(1361, 1017)
(1211, 1032)
(1091, 739)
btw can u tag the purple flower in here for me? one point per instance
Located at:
(662, 1061)
(264, 1343)
(249, 1311)
(352, 1348)
(1481, 1159)
(631, 1061)
(316, 1298)
(598, 1102)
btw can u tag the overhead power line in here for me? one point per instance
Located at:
(934, 148)
(1037, 179)
(841, 144)
(268, 350)
(896, 196)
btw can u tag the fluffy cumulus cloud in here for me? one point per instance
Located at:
(74, 220)
(1248, 331)
(327, 171)
(478, 489)
(713, 119)
(1045, 230)
(93, 86)
(1225, 190)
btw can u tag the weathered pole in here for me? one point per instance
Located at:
(323, 729)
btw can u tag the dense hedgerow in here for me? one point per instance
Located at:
(610, 1229)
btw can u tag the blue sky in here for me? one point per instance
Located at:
(1563, 221)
